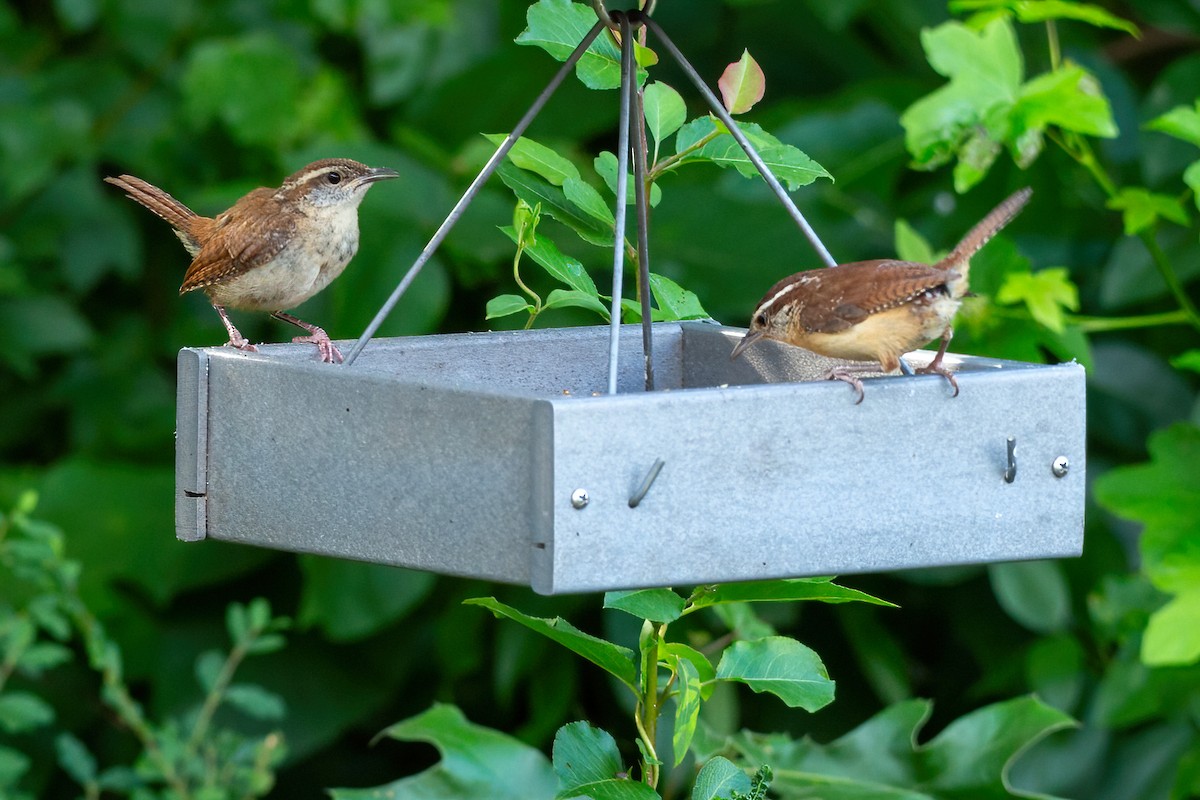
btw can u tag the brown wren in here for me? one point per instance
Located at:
(875, 310)
(273, 249)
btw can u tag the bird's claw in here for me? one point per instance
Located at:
(325, 347)
(846, 375)
(935, 367)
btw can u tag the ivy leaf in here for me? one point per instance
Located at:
(480, 763)
(1031, 11)
(1046, 293)
(782, 667)
(1069, 98)
(664, 109)
(675, 301)
(742, 84)
(971, 757)
(537, 158)
(1142, 208)
(659, 605)
(558, 26)
(616, 660)
(1182, 122)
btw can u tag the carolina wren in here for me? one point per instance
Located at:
(275, 248)
(875, 310)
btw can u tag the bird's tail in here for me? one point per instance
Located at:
(988, 227)
(177, 215)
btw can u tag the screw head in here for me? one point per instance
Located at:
(580, 498)
(1060, 467)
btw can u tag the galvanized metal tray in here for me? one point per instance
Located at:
(500, 456)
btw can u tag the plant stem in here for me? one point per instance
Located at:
(670, 162)
(1172, 280)
(1101, 324)
(649, 704)
(537, 301)
(217, 693)
(1052, 40)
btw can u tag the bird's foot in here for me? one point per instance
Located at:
(936, 367)
(241, 343)
(325, 347)
(846, 375)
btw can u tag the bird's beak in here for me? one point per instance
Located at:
(750, 338)
(378, 174)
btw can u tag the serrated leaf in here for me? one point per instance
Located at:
(674, 301)
(75, 759)
(616, 660)
(506, 305)
(1141, 208)
(478, 762)
(687, 708)
(664, 109)
(571, 298)
(561, 267)
(779, 666)
(22, 711)
(1182, 122)
(255, 701)
(822, 590)
(537, 158)
(719, 779)
(659, 605)
(742, 84)
(1069, 97)
(1047, 293)
(970, 758)
(558, 26)
(588, 200)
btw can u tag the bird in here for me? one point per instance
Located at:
(876, 310)
(274, 248)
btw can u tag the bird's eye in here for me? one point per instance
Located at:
(761, 320)
(334, 177)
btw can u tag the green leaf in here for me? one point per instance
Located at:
(1191, 177)
(477, 763)
(208, 669)
(1034, 593)
(911, 245)
(970, 758)
(1189, 360)
(1069, 97)
(12, 766)
(1182, 122)
(1032, 11)
(39, 657)
(40, 325)
(1142, 208)
(534, 189)
(22, 711)
(558, 26)
(659, 605)
(589, 765)
(782, 667)
(255, 701)
(672, 651)
(251, 84)
(789, 164)
(1047, 293)
(1172, 636)
(1164, 495)
(606, 167)
(537, 158)
(562, 268)
(820, 589)
(742, 84)
(507, 304)
(718, 779)
(588, 199)
(675, 301)
(687, 707)
(572, 298)
(616, 660)
(75, 759)
(664, 109)
(349, 600)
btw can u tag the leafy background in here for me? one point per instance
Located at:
(212, 99)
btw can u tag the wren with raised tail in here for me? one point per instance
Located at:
(274, 248)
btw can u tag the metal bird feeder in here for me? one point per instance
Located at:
(529, 457)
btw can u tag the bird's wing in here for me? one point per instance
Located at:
(858, 290)
(241, 241)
